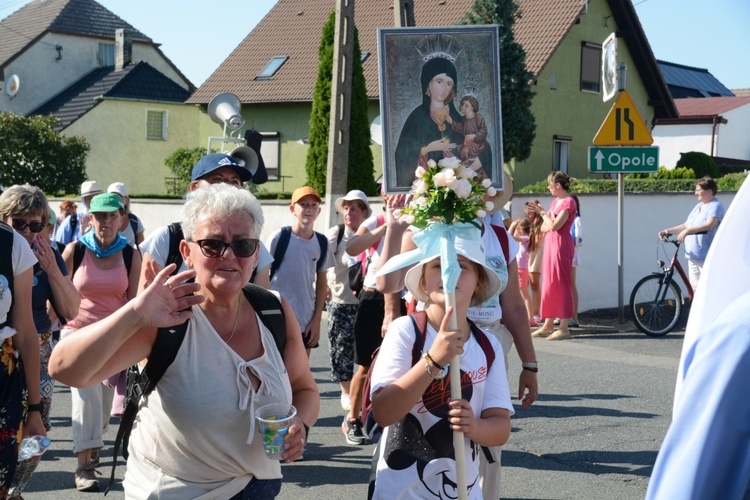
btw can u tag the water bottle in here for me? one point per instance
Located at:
(33, 446)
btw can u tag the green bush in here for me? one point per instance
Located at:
(733, 169)
(181, 163)
(610, 186)
(701, 163)
(731, 182)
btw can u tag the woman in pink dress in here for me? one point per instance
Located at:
(557, 300)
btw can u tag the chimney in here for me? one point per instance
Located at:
(123, 48)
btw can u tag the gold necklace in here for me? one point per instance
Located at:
(236, 319)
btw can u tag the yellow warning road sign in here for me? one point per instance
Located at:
(623, 126)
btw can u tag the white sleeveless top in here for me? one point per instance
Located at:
(195, 435)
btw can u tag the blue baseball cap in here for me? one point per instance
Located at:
(215, 161)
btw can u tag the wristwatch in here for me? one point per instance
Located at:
(530, 366)
(429, 364)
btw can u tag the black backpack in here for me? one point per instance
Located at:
(168, 341)
(283, 243)
(80, 251)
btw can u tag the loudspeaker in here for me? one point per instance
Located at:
(247, 157)
(224, 109)
(253, 138)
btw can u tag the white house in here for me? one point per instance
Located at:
(716, 126)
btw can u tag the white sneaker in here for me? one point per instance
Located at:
(346, 402)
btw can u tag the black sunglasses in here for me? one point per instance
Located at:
(34, 227)
(214, 249)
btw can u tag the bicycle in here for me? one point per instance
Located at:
(656, 300)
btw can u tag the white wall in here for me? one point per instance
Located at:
(734, 136)
(644, 216)
(676, 139)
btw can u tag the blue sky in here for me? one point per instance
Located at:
(197, 35)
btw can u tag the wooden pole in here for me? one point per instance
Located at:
(341, 100)
(455, 376)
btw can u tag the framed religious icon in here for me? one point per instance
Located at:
(440, 97)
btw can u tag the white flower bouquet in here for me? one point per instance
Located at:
(449, 192)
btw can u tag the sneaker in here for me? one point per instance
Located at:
(85, 478)
(346, 402)
(352, 429)
(95, 456)
(573, 322)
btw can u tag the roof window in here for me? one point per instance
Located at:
(272, 67)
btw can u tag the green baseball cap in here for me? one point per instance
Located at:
(106, 202)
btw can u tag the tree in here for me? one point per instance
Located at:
(32, 151)
(361, 169)
(181, 163)
(519, 125)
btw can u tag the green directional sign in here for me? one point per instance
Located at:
(623, 159)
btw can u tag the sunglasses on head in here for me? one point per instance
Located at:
(34, 227)
(214, 249)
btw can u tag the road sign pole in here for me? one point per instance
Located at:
(620, 245)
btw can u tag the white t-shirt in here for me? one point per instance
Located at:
(23, 259)
(157, 246)
(295, 277)
(372, 224)
(422, 470)
(128, 233)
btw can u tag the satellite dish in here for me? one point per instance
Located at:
(376, 131)
(12, 85)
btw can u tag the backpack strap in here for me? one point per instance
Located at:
(271, 312)
(78, 252)
(484, 343)
(280, 250)
(133, 223)
(502, 236)
(323, 242)
(175, 237)
(6, 262)
(419, 322)
(340, 235)
(141, 383)
(73, 224)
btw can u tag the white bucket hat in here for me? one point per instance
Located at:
(353, 195)
(89, 188)
(472, 250)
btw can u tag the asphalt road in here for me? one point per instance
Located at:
(594, 433)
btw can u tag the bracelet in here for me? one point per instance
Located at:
(430, 360)
(36, 407)
(428, 369)
(535, 370)
(530, 364)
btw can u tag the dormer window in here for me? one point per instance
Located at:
(272, 67)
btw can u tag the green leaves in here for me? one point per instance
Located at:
(32, 151)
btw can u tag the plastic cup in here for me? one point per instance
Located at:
(273, 424)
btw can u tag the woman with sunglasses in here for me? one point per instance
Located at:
(195, 434)
(105, 285)
(20, 405)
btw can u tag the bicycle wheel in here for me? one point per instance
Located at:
(656, 306)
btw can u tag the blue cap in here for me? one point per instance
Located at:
(215, 161)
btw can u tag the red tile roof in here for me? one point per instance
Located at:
(293, 28)
(709, 106)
